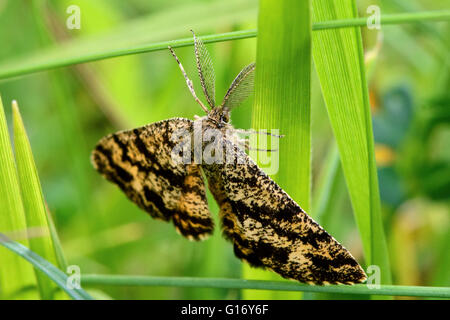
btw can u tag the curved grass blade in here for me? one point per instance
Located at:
(59, 277)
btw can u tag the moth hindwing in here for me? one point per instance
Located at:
(267, 228)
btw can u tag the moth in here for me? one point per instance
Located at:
(267, 228)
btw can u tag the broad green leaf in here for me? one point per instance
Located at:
(282, 99)
(15, 274)
(35, 211)
(339, 61)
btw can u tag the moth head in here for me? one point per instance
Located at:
(220, 116)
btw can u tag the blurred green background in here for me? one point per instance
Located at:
(66, 111)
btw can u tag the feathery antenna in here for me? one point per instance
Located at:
(205, 70)
(188, 81)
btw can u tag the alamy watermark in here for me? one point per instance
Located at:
(74, 19)
(373, 277)
(74, 279)
(374, 20)
(213, 146)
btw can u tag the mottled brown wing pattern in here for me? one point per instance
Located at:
(139, 162)
(270, 230)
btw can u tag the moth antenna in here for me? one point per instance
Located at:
(240, 88)
(188, 81)
(205, 70)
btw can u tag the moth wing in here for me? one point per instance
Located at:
(269, 229)
(139, 161)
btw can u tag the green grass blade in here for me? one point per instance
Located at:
(60, 257)
(328, 189)
(74, 53)
(385, 19)
(339, 63)
(56, 275)
(379, 250)
(282, 95)
(33, 202)
(138, 33)
(15, 274)
(358, 289)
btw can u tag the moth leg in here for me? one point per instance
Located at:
(250, 131)
(245, 143)
(189, 82)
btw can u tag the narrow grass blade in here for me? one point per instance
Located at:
(328, 189)
(33, 202)
(379, 251)
(56, 275)
(358, 289)
(60, 257)
(73, 53)
(137, 33)
(339, 62)
(282, 95)
(15, 274)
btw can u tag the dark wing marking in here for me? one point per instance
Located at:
(205, 70)
(139, 161)
(240, 88)
(270, 230)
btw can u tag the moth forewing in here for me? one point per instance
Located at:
(140, 163)
(205, 70)
(241, 87)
